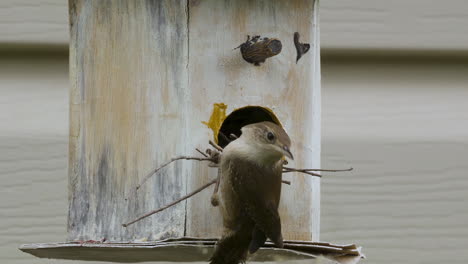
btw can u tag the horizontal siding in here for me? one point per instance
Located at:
(34, 154)
(345, 24)
(397, 24)
(34, 21)
(404, 128)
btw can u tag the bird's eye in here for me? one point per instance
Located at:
(270, 136)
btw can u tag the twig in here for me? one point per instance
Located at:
(287, 168)
(213, 156)
(182, 199)
(214, 196)
(201, 152)
(171, 204)
(216, 146)
(301, 171)
(167, 163)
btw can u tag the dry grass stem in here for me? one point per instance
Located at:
(171, 204)
(213, 155)
(328, 170)
(167, 163)
(216, 146)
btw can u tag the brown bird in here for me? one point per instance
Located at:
(250, 191)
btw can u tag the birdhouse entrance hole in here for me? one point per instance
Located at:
(242, 117)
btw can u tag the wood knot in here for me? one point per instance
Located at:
(256, 50)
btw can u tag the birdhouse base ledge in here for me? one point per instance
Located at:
(190, 250)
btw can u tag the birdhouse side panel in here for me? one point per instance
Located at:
(128, 68)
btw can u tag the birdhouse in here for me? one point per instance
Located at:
(154, 79)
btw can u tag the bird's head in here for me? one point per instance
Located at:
(268, 141)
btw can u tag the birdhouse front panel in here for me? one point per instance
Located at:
(219, 74)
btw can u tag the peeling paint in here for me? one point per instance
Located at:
(219, 74)
(120, 99)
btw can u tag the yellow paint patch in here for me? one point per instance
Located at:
(216, 119)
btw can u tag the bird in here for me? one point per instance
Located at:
(250, 189)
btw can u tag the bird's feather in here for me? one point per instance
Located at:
(258, 190)
(258, 240)
(232, 247)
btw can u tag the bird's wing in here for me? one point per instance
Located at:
(258, 190)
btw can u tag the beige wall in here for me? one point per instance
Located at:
(400, 124)
(33, 152)
(403, 126)
(345, 24)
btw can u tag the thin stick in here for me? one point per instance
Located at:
(301, 171)
(201, 152)
(287, 168)
(214, 196)
(216, 146)
(167, 163)
(171, 204)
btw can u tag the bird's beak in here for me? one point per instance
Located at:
(287, 152)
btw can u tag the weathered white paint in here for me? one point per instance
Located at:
(218, 74)
(315, 112)
(369, 24)
(128, 91)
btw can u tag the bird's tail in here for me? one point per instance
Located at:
(232, 248)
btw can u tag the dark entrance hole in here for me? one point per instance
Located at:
(242, 117)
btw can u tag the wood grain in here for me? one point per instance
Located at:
(218, 74)
(128, 74)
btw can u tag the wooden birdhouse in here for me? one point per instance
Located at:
(153, 79)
